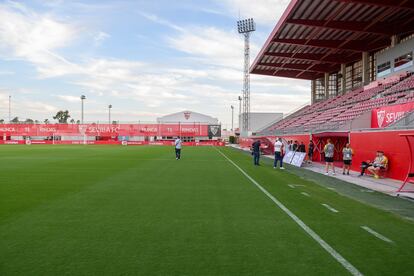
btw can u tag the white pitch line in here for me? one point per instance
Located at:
(330, 208)
(376, 234)
(305, 194)
(367, 191)
(293, 186)
(347, 265)
(330, 188)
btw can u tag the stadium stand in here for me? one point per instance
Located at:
(359, 58)
(336, 112)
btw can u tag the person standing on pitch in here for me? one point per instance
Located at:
(347, 158)
(178, 144)
(278, 147)
(329, 150)
(256, 152)
(311, 148)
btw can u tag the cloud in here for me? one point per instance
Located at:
(100, 37)
(25, 35)
(68, 98)
(22, 107)
(6, 73)
(211, 45)
(207, 79)
(266, 12)
(154, 18)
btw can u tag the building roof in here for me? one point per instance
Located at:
(315, 36)
(187, 116)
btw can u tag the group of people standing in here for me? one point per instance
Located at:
(329, 151)
(380, 162)
(375, 166)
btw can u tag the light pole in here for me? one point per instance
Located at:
(232, 117)
(109, 113)
(240, 102)
(83, 97)
(9, 108)
(245, 27)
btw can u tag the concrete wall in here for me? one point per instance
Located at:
(261, 120)
(395, 52)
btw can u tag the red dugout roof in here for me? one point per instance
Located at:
(315, 36)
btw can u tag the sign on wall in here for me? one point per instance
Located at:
(126, 130)
(214, 131)
(384, 116)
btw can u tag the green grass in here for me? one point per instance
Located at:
(103, 210)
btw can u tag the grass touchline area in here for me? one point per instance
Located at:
(348, 266)
(110, 210)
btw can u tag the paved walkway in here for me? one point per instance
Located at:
(384, 185)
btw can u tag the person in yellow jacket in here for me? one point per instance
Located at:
(380, 162)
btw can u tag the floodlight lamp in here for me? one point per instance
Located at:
(246, 25)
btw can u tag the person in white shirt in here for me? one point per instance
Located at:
(278, 147)
(178, 145)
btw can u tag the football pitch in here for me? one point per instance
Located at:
(111, 210)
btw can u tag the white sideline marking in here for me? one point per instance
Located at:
(293, 186)
(376, 234)
(330, 208)
(347, 265)
(330, 188)
(305, 194)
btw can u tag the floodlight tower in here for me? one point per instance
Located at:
(245, 27)
(109, 114)
(83, 97)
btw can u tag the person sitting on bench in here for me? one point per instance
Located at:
(380, 162)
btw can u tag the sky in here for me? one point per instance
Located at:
(145, 58)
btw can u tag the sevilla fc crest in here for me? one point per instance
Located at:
(214, 130)
(187, 115)
(82, 129)
(380, 117)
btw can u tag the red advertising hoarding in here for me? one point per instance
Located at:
(386, 115)
(167, 130)
(126, 143)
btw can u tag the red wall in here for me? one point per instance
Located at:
(395, 147)
(364, 144)
(305, 138)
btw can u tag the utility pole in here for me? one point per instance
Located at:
(9, 108)
(232, 118)
(240, 119)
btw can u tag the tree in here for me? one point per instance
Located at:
(46, 121)
(15, 120)
(1, 121)
(29, 121)
(72, 121)
(36, 121)
(62, 116)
